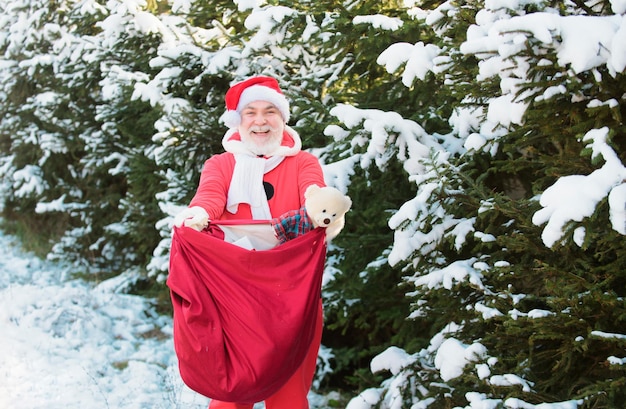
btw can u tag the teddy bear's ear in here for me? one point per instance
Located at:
(348, 202)
(311, 190)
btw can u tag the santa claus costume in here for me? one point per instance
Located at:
(241, 184)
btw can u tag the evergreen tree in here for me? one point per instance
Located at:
(365, 308)
(119, 179)
(76, 171)
(526, 313)
(46, 103)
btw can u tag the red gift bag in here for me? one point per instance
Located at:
(243, 319)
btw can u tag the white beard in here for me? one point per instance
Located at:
(265, 149)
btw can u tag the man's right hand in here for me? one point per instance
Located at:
(195, 217)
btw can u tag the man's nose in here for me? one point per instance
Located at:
(260, 118)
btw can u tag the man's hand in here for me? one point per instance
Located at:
(195, 217)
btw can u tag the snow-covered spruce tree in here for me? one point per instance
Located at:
(365, 309)
(76, 168)
(515, 241)
(129, 36)
(47, 104)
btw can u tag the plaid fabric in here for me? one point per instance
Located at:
(292, 224)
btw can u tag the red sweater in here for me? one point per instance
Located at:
(288, 180)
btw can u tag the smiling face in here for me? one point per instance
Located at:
(261, 128)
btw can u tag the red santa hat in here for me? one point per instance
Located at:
(253, 89)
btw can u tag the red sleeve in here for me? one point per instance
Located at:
(310, 173)
(304, 170)
(214, 184)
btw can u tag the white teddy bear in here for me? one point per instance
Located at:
(324, 207)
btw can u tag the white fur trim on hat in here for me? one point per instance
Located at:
(253, 89)
(263, 93)
(231, 119)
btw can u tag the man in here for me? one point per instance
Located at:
(263, 174)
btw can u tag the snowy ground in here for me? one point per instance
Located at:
(70, 344)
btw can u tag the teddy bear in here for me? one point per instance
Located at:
(323, 207)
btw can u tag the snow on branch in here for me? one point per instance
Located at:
(263, 22)
(453, 355)
(457, 272)
(379, 21)
(386, 130)
(418, 60)
(572, 198)
(603, 41)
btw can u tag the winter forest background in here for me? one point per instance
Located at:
(483, 144)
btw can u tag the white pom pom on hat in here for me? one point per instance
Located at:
(259, 88)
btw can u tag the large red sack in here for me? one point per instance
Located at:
(243, 319)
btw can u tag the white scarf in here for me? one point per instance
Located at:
(246, 185)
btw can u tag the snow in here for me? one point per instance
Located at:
(576, 46)
(514, 403)
(457, 272)
(70, 344)
(613, 360)
(453, 355)
(419, 60)
(487, 312)
(379, 21)
(603, 334)
(393, 359)
(385, 128)
(617, 205)
(27, 180)
(263, 21)
(510, 380)
(366, 399)
(574, 197)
